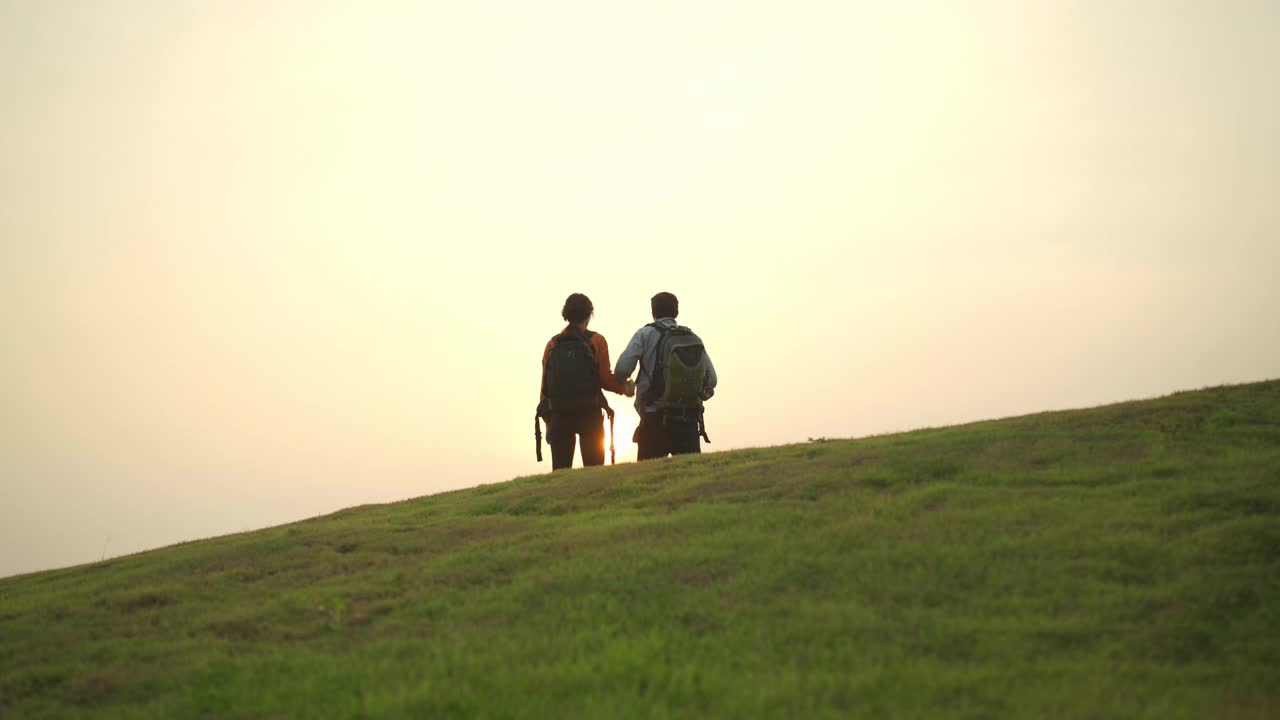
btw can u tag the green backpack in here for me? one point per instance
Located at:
(678, 381)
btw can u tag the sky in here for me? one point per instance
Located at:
(262, 260)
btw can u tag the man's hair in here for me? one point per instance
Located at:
(664, 304)
(577, 307)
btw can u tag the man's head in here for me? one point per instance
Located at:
(577, 309)
(664, 304)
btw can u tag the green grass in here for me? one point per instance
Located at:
(1117, 562)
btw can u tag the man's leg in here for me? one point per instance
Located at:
(560, 436)
(683, 437)
(591, 438)
(651, 437)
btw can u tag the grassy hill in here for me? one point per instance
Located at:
(1122, 561)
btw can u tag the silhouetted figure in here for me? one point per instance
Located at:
(676, 376)
(575, 374)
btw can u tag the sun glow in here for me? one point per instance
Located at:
(260, 261)
(624, 425)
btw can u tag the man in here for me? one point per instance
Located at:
(676, 376)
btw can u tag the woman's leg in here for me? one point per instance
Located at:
(591, 438)
(561, 432)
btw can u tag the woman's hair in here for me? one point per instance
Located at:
(577, 308)
(664, 304)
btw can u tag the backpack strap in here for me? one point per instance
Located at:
(613, 453)
(537, 433)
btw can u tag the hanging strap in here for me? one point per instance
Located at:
(702, 427)
(613, 454)
(537, 435)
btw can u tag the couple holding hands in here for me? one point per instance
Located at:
(676, 376)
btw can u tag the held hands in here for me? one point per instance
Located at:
(629, 388)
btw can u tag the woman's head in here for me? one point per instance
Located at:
(577, 309)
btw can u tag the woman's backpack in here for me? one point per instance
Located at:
(571, 384)
(571, 378)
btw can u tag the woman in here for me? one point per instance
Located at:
(575, 372)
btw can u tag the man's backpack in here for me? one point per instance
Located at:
(571, 378)
(678, 381)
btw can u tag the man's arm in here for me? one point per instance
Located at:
(709, 386)
(630, 357)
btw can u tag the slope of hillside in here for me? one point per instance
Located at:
(1122, 561)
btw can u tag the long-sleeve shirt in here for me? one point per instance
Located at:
(601, 349)
(643, 349)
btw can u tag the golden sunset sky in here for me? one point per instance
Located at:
(261, 259)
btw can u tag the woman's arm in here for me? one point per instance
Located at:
(608, 380)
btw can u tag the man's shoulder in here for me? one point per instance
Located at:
(679, 329)
(658, 328)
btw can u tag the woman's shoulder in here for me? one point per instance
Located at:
(592, 337)
(597, 338)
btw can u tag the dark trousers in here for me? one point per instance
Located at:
(660, 436)
(587, 428)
